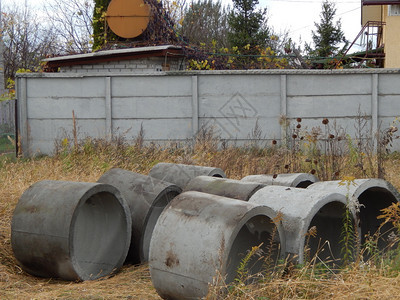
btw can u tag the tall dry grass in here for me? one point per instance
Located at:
(88, 160)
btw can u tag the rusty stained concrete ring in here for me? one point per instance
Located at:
(199, 235)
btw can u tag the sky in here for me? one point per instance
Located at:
(298, 16)
(295, 16)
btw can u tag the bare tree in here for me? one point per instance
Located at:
(26, 39)
(72, 22)
(206, 22)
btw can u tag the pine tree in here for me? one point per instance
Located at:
(247, 25)
(328, 38)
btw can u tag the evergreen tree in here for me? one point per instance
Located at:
(329, 39)
(248, 26)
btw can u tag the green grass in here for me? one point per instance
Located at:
(5, 144)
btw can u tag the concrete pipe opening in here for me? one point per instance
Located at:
(146, 197)
(372, 201)
(97, 244)
(370, 196)
(256, 231)
(235, 189)
(299, 180)
(312, 220)
(71, 230)
(323, 237)
(181, 174)
(199, 235)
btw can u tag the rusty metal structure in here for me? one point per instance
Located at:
(371, 36)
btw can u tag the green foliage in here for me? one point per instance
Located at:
(10, 85)
(242, 270)
(328, 37)
(348, 234)
(7, 143)
(235, 59)
(248, 26)
(243, 274)
(101, 33)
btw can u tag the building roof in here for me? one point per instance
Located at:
(114, 55)
(380, 2)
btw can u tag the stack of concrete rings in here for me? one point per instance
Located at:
(300, 211)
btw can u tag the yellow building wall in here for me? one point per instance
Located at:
(392, 42)
(391, 32)
(371, 13)
(384, 17)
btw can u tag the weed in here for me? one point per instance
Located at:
(348, 234)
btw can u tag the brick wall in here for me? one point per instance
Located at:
(137, 66)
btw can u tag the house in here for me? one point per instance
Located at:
(381, 26)
(129, 60)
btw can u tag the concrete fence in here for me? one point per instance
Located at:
(173, 106)
(7, 116)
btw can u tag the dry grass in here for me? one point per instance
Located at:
(91, 159)
(351, 285)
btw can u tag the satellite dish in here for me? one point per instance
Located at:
(128, 18)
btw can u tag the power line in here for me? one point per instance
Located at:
(294, 30)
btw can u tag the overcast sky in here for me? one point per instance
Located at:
(296, 16)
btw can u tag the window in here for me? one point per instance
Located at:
(394, 10)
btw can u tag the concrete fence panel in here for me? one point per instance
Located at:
(174, 106)
(7, 116)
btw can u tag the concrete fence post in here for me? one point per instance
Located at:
(23, 125)
(375, 111)
(283, 107)
(108, 98)
(195, 106)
